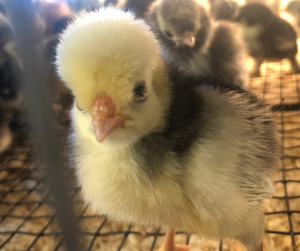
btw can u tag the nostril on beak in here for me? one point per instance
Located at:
(103, 107)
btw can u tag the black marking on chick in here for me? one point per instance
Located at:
(184, 123)
(188, 121)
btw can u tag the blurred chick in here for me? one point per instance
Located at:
(199, 45)
(6, 136)
(138, 7)
(224, 9)
(268, 37)
(51, 12)
(290, 11)
(60, 95)
(10, 72)
(155, 146)
(10, 95)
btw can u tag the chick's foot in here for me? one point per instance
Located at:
(170, 245)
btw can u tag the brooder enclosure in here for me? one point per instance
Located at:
(36, 215)
(27, 211)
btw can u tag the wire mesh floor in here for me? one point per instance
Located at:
(27, 220)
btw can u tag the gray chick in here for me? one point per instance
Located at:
(268, 37)
(154, 146)
(199, 45)
(290, 12)
(224, 9)
(138, 7)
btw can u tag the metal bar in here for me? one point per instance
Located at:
(45, 135)
(282, 166)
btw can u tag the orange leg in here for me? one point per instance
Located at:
(170, 245)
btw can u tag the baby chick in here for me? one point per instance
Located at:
(155, 146)
(138, 7)
(52, 12)
(268, 37)
(10, 72)
(199, 45)
(290, 11)
(224, 9)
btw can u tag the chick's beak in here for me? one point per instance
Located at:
(188, 39)
(104, 118)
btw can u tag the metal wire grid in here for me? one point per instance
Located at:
(27, 211)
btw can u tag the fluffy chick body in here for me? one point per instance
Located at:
(268, 37)
(219, 51)
(193, 157)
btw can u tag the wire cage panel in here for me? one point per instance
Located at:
(27, 211)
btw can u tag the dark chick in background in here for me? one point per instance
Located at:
(52, 12)
(268, 37)
(60, 94)
(10, 65)
(155, 146)
(224, 9)
(10, 71)
(290, 11)
(6, 136)
(199, 45)
(138, 7)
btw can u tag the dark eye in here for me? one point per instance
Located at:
(139, 89)
(168, 33)
(78, 107)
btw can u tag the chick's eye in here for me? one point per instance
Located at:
(78, 107)
(139, 89)
(168, 33)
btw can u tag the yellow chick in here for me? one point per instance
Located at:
(152, 149)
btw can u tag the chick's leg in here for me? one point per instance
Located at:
(295, 65)
(255, 70)
(170, 245)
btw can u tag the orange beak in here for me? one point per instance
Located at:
(104, 118)
(188, 39)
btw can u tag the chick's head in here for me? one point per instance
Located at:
(107, 58)
(179, 21)
(254, 14)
